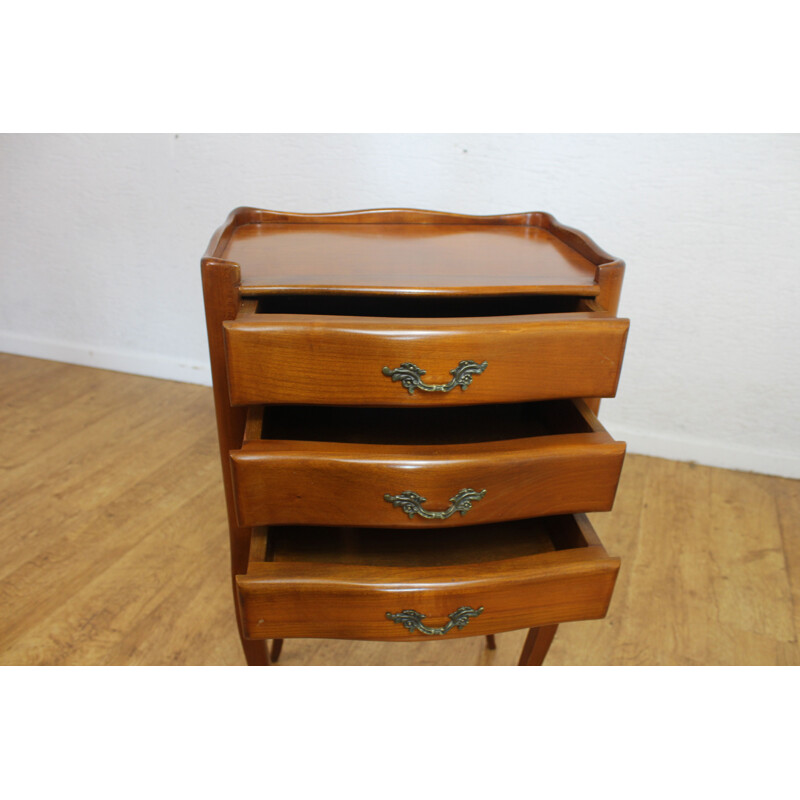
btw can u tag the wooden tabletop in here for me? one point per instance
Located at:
(402, 250)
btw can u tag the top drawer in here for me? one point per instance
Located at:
(400, 350)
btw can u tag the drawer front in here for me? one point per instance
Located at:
(310, 483)
(367, 361)
(356, 601)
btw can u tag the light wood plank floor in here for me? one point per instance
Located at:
(113, 545)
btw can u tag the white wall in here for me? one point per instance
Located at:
(102, 237)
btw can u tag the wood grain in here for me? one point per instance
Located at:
(112, 475)
(114, 545)
(221, 298)
(299, 358)
(341, 583)
(396, 250)
(310, 483)
(279, 346)
(536, 646)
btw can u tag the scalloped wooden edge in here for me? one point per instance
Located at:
(608, 274)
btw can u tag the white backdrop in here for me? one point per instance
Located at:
(102, 237)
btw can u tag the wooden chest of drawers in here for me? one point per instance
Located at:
(406, 409)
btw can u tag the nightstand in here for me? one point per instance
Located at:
(406, 403)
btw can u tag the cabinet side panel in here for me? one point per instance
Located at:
(221, 296)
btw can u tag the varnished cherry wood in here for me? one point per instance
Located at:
(304, 358)
(333, 583)
(570, 464)
(396, 250)
(536, 645)
(220, 291)
(406, 255)
(275, 650)
(556, 325)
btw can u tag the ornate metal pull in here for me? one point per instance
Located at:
(411, 503)
(410, 376)
(412, 620)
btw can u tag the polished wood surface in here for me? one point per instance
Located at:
(405, 255)
(333, 583)
(537, 645)
(302, 358)
(114, 549)
(572, 465)
(221, 299)
(368, 287)
(407, 250)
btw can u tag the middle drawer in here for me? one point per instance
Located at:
(418, 468)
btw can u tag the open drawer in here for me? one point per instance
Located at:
(396, 586)
(421, 350)
(422, 468)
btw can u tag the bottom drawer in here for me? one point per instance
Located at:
(359, 583)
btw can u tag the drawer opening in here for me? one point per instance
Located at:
(408, 467)
(402, 548)
(419, 306)
(341, 582)
(532, 348)
(421, 426)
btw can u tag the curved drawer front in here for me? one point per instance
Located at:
(301, 483)
(373, 361)
(389, 597)
(280, 482)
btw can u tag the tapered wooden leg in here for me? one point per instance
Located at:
(256, 653)
(536, 646)
(490, 643)
(277, 646)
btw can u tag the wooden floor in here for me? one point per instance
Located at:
(113, 545)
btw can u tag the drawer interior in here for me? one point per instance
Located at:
(420, 305)
(421, 426)
(435, 548)
(341, 582)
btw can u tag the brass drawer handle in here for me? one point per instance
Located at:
(410, 376)
(412, 620)
(411, 503)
